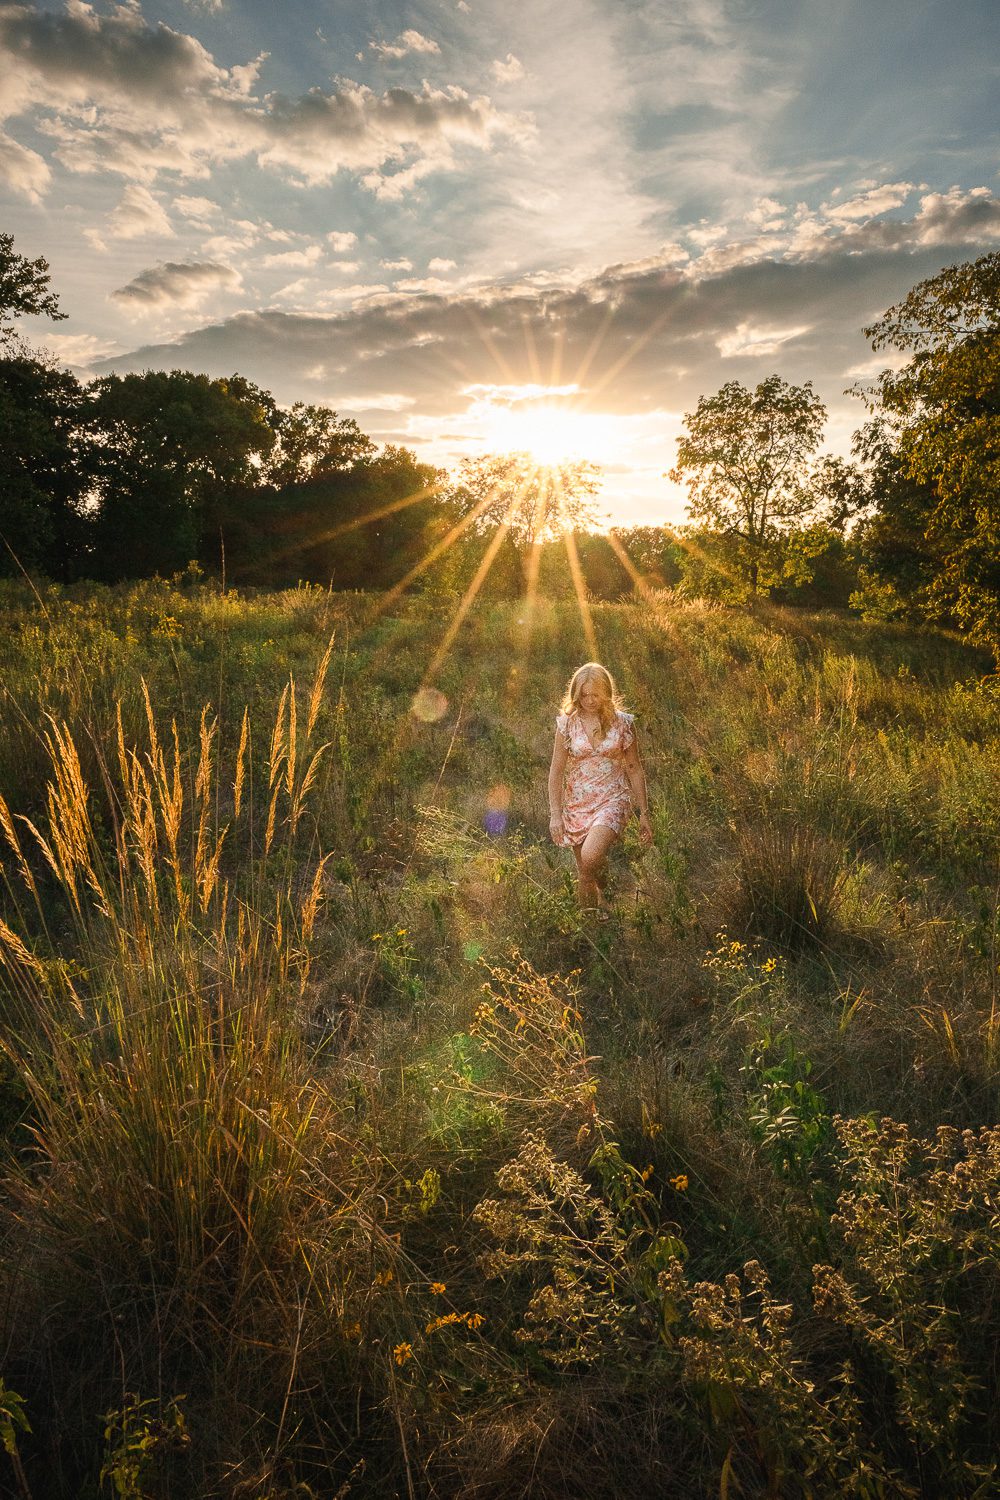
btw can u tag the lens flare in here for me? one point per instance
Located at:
(429, 704)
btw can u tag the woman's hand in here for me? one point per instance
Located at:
(556, 828)
(645, 830)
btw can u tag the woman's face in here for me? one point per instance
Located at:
(593, 695)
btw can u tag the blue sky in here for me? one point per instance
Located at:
(436, 217)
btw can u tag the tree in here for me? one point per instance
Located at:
(23, 289)
(938, 431)
(172, 447)
(533, 501)
(312, 441)
(744, 459)
(46, 469)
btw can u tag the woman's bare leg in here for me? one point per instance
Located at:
(591, 864)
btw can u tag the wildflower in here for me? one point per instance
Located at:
(647, 1173)
(402, 1353)
(680, 1182)
(769, 965)
(382, 1278)
(437, 1287)
(402, 931)
(653, 1128)
(474, 1320)
(376, 936)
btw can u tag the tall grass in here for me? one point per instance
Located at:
(340, 1155)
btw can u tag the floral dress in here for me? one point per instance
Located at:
(596, 789)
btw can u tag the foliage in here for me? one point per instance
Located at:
(24, 289)
(743, 456)
(511, 492)
(47, 460)
(939, 428)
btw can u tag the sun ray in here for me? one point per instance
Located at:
(576, 573)
(391, 508)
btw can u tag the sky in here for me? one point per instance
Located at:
(479, 225)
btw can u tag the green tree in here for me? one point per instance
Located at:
(937, 479)
(533, 501)
(24, 289)
(744, 457)
(46, 469)
(312, 441)
(174, 447)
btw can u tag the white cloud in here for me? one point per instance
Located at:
(876, 200)
(396, 265)
(79, 349)
(437, 264)
(407, 43)
(138, 213)
(175, 283)
(746, 341)
(291, 258)
(24, 171)
(116, 94)
(511, 70)
(196, 208)
(341, 240)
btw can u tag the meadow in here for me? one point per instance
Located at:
(341, 1159)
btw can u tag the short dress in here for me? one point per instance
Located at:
(596, 790)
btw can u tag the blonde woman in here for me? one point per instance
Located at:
(595, 779)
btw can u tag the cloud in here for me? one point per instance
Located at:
(137, 214)
(291, 258)
(396, 265)
(114, 93)
(637, 337)
(196, 208)
(511, 70)
(24, 171)
(437, 264)
(174, 283)
(747, 341)
(876, 200)
(341, 240)
(78, 350)
(406, 43)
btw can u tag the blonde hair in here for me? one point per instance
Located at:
(592, 671)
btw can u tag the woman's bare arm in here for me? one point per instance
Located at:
(556, 769)
(636, 774)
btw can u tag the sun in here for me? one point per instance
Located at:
(543, 421)
(551, 434)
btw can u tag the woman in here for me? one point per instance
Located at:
(595, 778)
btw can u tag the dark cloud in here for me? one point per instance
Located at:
(177, 284)
(634, 338)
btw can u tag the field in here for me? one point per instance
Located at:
(340, 1159)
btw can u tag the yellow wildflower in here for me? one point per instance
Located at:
(680, 1182)
(474, 1320)
(382, 1278)
(647, 1173)
(437, 1287)
(402, 1353)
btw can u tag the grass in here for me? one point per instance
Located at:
(340, 1159)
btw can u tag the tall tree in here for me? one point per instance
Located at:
(744, 457)
(24, 289)
(938, 424)
(312, 441)
(46, 469)
(532, 501)
(173, 445)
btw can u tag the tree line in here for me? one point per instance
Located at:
(144, 473)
